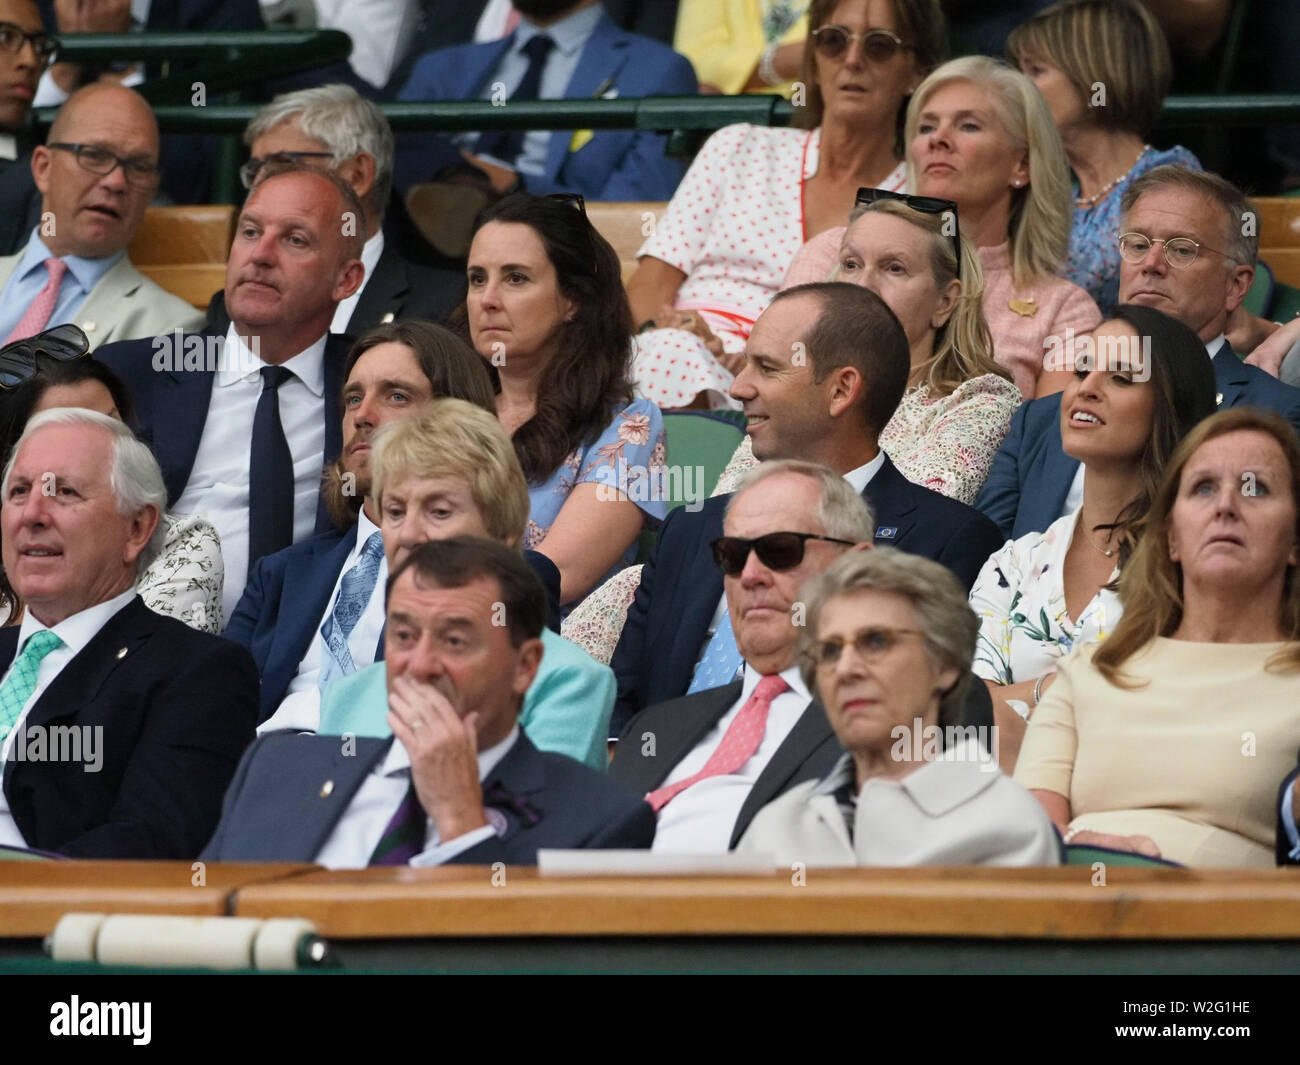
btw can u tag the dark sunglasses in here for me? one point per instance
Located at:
(925, 204)
(777, 551)
(63, 343)
(878, 46)
(573, 199)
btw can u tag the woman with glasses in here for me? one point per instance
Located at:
(546, 309)
(185, 581)
(755, 194)
(1104, 68)
(887, 650)
(1169, 738)
(959, 402)
(980, 134)
(1146, 384)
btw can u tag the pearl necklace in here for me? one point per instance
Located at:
(1089, 201)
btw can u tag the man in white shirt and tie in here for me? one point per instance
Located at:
(244, 422)
(710, 760)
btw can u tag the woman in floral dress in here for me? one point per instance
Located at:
(1123, 413)
(546, 309)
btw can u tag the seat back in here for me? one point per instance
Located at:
(626, 226)
(184, 249)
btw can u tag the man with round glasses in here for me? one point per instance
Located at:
(1188, 247)
(96, 175)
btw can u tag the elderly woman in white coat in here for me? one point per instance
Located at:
(887, 648)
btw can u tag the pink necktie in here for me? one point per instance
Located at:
(33, 321)
(737, 746)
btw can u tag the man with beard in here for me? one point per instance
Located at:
(560, 50)
(315, 611)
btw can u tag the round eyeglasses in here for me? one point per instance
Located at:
(1178, 252)
(878, 46)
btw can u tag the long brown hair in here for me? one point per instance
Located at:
(1151, 587)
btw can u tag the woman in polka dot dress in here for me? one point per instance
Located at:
(755, 194)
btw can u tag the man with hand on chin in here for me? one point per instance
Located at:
(458, 781)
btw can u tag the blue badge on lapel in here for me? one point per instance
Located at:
(886, 532)
(496, 819)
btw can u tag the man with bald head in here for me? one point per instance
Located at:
(243, 421)
(96, 174)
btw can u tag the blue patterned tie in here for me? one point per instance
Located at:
(21, 682)
(721, 659)
(354, 593)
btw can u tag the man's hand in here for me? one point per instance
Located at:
(502, 178)
(1268, 355)
(693, 322)
(87, 16)
(444, 755)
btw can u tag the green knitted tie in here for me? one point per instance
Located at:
(18, 686)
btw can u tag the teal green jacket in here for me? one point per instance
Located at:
(566, 709)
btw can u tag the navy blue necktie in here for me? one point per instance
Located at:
(270, 473)
(506, 144)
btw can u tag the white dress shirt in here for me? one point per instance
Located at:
(1074, 497)
(370, 253)
(362, 825)
(700, 819)
(218, 487)
(75, 632)
(859, 477)
(380, 31)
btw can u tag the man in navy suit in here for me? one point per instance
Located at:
(1200, 280)
(826, 366)
(243, 423)
(561, 50)
(458, 781)
(119, 728)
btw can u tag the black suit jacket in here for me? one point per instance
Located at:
(20, 199)
(173, 710)
(171, 405)
(672, 729)
(277, 809)
(399, 289)
(668, 621)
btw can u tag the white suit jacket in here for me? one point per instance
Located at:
(963, 811)
(124, 305)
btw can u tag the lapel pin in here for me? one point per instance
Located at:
(326, 789)
(496, 819)
(386, 318)
(886, 532)
(1025, 308)
(1218, 399)
(121, 652)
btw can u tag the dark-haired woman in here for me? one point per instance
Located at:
(185, 580)
(1046, 593)
(546, 308)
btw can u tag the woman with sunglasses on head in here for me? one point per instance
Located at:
(546, 309)
(1104, 68)
(755, 194)
(1122, 415)
(979, 133)
(959, 402)
(185, 581)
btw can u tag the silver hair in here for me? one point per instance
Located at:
(342, 120)
(942, 611)
(841, 512)
(133, 472)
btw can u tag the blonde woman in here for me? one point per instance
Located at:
(979, 133)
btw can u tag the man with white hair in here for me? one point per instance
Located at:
(119, 728)
(332, 127)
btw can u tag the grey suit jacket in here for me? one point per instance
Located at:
(124, 305)
(957, 810)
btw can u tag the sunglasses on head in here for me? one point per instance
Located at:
(63, 343)
(925, 204)
(878, 46)
(777, 551)
(573, 199)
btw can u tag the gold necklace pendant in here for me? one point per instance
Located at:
(1025, 308)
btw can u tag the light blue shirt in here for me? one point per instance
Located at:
(570, 36)
(30, 276)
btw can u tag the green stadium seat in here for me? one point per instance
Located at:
(1260, 297)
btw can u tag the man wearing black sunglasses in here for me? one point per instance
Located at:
(24, 52)
(709, 761)
(825, 368)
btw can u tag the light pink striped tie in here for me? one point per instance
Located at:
(38, 314)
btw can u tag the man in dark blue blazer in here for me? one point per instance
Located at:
(198, 397)
(826, 366)
(604, 62)
(1033, 481)
(119, 728)
(458, 782)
